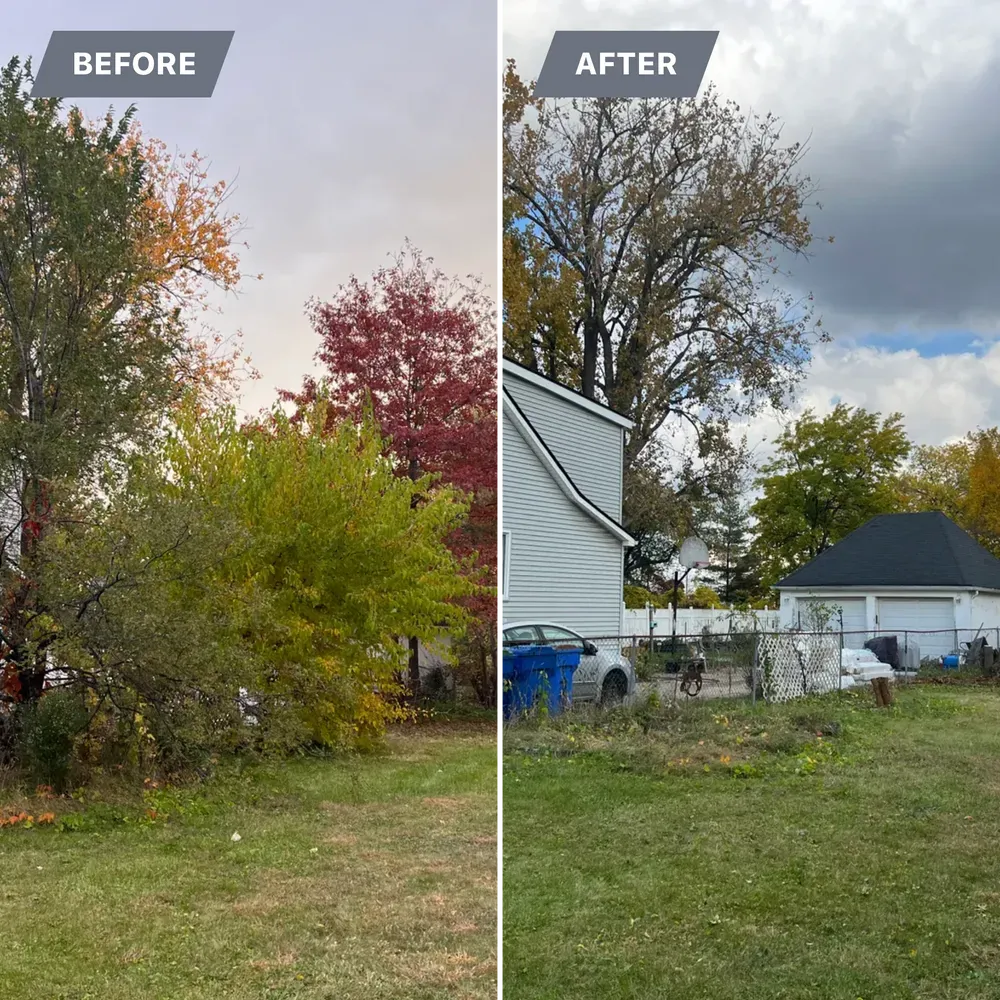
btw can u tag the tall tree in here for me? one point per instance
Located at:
(670, 495)
(191, 241)
(418, 348)
(937, 477)
(829, 475)
(99, 261)
(658, 516)
(961, 479)
(982, 505)
(672, 216)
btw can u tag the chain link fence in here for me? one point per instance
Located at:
(689, 666)
(777, 666)
(769, 666)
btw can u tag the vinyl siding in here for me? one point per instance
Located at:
(588, 447)
(564, 567)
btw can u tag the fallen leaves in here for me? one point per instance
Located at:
(26, 820)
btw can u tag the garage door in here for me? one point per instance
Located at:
(934, 617)
(854, 612)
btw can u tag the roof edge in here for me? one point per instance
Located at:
(559, 474)
(565, 392)
(863, 587)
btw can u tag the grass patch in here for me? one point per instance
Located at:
(352, 878)
(815, 850)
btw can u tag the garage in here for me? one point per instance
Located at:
(853, 609)
(917, 573)
(933, 617)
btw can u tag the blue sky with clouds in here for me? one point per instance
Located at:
(895, 100)
(927, 344)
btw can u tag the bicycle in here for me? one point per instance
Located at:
(691, 678)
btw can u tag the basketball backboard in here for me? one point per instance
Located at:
(694, 553)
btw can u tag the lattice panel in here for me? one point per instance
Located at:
(793, 665)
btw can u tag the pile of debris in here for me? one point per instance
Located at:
(979, 655)
(862, 666)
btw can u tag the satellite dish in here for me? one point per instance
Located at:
(694, 553)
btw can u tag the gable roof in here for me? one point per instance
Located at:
(558, 473)
(902, 550)
(565, 392)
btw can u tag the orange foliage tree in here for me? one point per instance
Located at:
(190, 242)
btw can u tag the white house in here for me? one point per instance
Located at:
(919, 576)
(562, 558)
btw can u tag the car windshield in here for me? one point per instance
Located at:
(551, 633)
(521, 633)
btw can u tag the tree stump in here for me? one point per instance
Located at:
(883, 694)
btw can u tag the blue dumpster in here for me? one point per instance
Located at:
(534, 673)
(567, 660)
(524, 673)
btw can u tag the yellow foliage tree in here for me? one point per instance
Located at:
(961, 479)
(541, 298)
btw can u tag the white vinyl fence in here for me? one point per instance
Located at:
(694, 621)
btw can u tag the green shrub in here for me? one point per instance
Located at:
(48, 730)
(646, 664)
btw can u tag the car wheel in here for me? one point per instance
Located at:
(614, 689)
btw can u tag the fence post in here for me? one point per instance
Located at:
(673, 633)
(753, 671)
(840, 660)
(632, 654)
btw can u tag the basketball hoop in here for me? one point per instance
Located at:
(694, 553)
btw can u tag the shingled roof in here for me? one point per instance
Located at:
(902, 550)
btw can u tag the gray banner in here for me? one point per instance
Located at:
(132, 64)
(626, 64)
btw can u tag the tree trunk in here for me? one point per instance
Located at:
(414, 670)
(588, 384)
(23, 597)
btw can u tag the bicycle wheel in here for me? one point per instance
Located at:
(691, 685)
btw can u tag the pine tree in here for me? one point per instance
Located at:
(726, 536)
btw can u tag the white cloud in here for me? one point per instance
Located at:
(940, 398)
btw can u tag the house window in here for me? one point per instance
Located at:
(505, 565)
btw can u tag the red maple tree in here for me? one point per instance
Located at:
(419, 347)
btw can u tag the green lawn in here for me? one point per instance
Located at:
(860, 863)
(373, 878)
(725, 853)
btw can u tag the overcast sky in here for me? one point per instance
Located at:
(897, 101)
(351, 127)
